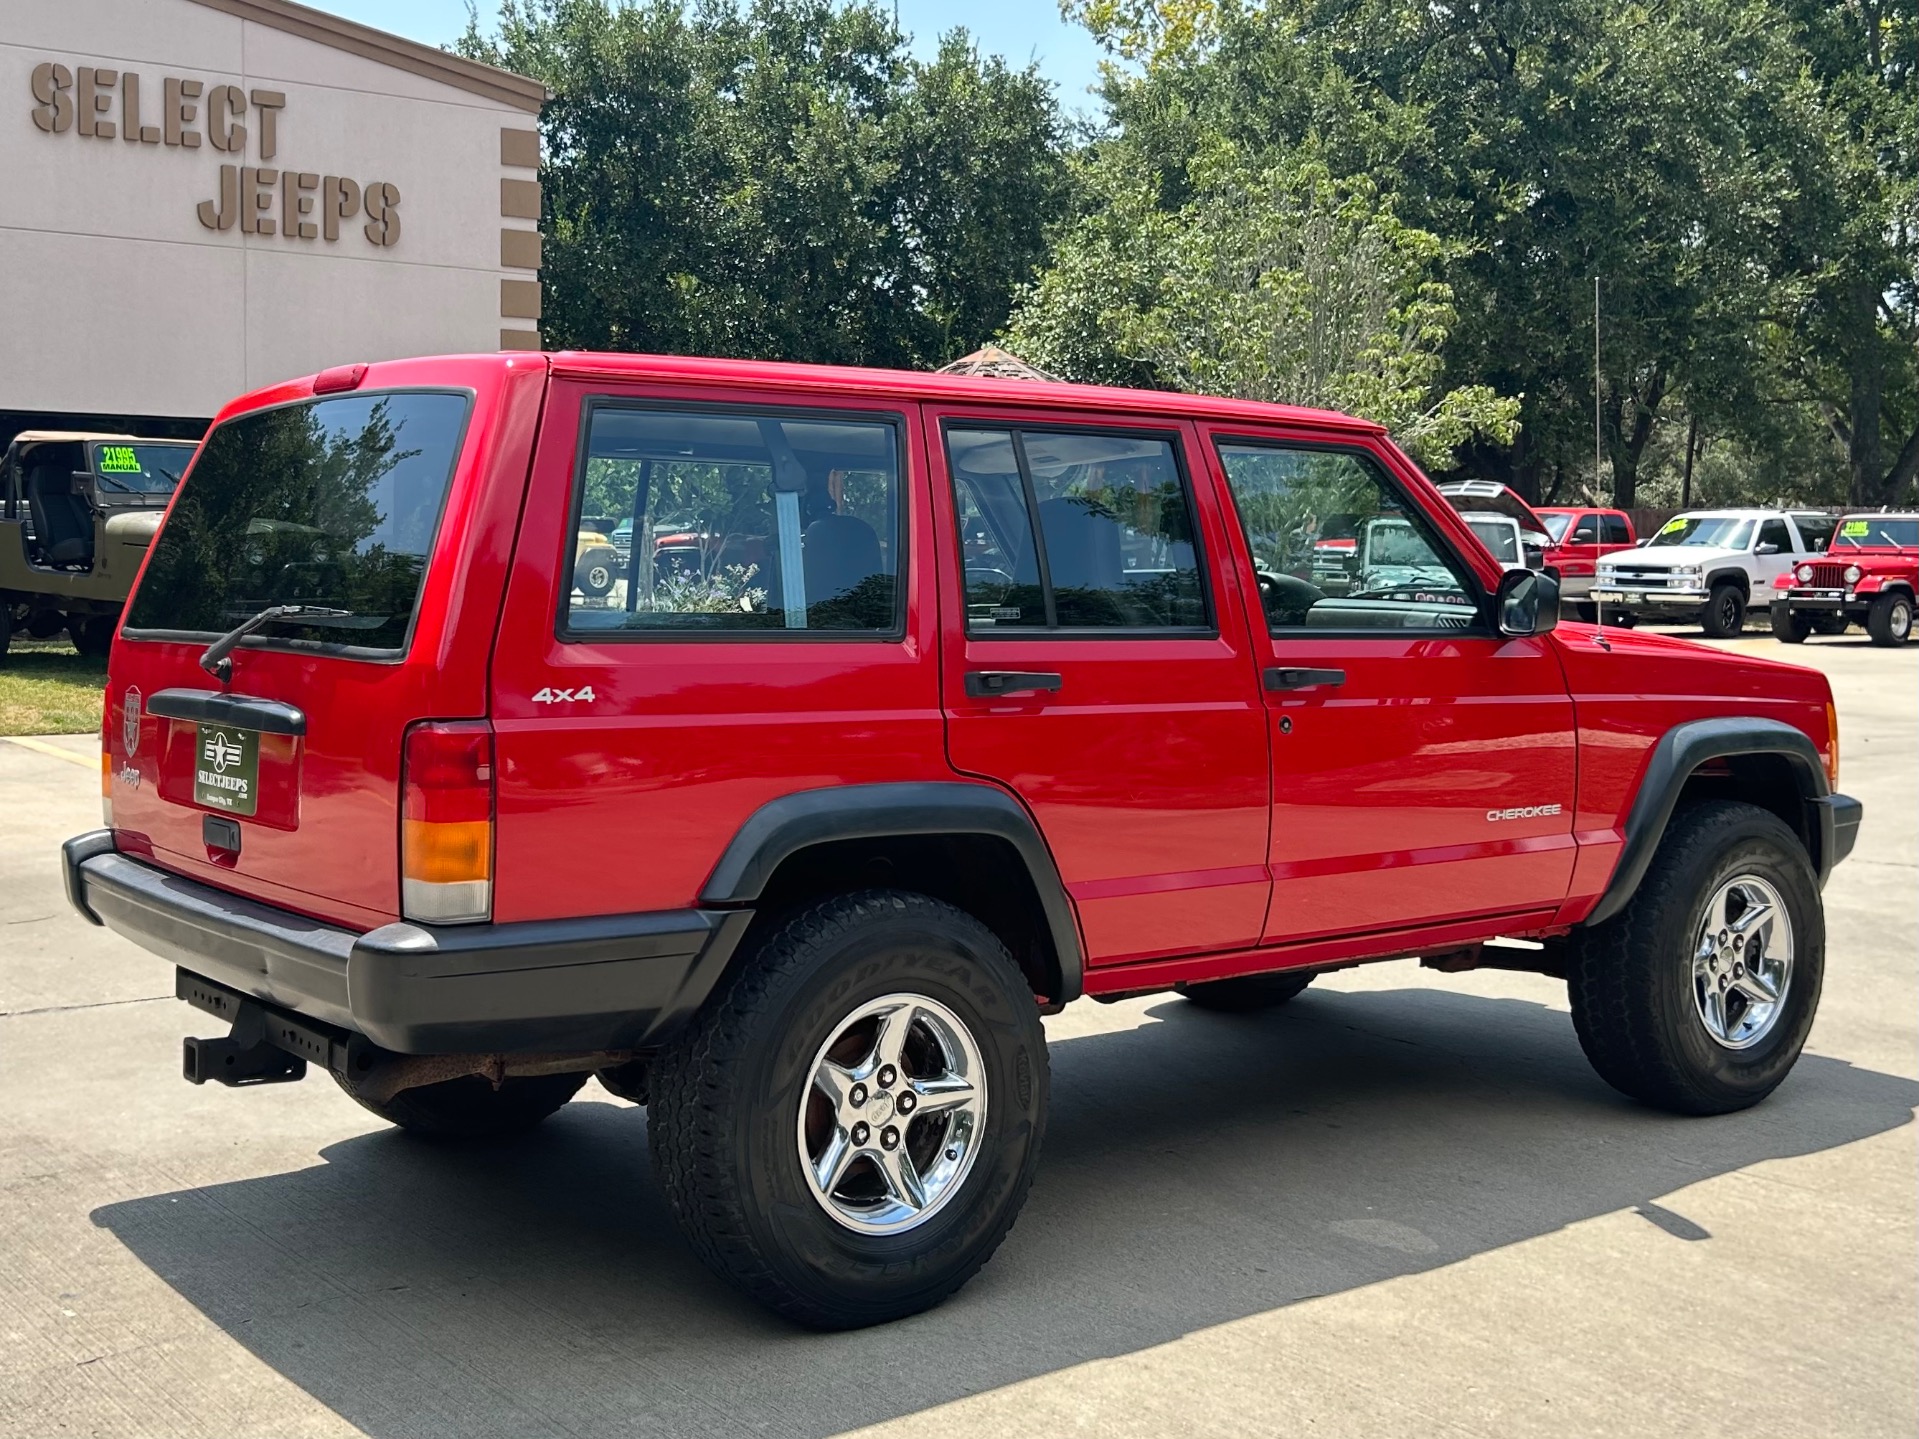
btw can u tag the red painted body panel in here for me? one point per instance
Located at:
(335, 852)
(1202, 826)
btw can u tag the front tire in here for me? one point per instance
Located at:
(776, 1118)
(1725, 614)
(1790, 626)
(470, 1107)
(1668, 1001)
(1889, 621)
(1246, 993)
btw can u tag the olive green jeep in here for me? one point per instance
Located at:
(77, 511)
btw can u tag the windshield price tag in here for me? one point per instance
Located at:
(226, 769)
(119, 460)
(1856, 529)
(1671, 526)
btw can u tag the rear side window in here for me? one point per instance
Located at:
(712, 521)
(1616, 531)
(1117, 524)
(332, 503)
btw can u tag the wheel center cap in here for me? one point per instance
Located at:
(879, 1110)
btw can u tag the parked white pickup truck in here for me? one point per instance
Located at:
(1707, 566)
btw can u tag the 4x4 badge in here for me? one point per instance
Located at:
(583, 695)
(130, 721)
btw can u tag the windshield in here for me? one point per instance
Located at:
(332, 502)
(1497, 536)
(1858, 532)
(1394, 542)
(1556, 525)
(141, 469)
(1717, 532)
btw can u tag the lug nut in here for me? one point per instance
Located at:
(861, 1133)
(858, 1096)
(887, 1076)
(889, 1138)
(905, 1102)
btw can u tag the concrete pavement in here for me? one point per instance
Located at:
(1403, 1204)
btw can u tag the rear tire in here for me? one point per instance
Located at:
(92, 635)
(1725, 614)
(471, 1108)
(742, 1128)
(1790, 626)
(1641, 990)
(1889, 621)
(1245, 994)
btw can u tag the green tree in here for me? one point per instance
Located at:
(783, 180)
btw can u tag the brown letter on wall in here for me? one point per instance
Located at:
(383, 213)
(179, 113)
(131, 128)
(269, 103)
(51, 84)
(339, 200)
(295, 206)
(223, 103)
(96, 99)
(222, 217)
(256, 200)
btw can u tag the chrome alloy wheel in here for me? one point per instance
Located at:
(895, 1114)
(1742, 962)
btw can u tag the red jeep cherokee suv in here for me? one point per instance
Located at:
(962, 698)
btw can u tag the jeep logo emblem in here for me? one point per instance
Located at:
(130, 722)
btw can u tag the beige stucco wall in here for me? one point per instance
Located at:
(114, 297)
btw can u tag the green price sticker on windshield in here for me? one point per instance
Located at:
(119, 460)
(1672, 525)
(1856, 529)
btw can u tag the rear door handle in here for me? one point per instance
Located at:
(1291, 679)
(984, 684)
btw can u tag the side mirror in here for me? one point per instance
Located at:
(1526, 603)
(1767, 549)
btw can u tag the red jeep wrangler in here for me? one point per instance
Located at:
(1867, 576)
(974, 697)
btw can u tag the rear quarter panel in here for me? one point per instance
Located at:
(1628, 690)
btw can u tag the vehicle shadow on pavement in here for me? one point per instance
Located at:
(1199, 1168)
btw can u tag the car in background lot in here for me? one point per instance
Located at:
(1868, 576)
(1581, 538)
(992, 695)
(77, 511)
(1478, 498)
(1708, 566)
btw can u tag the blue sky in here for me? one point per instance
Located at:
(1021, 30)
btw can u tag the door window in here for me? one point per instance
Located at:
(1774, 532)
(1616, 531)
(722, 521)
(1586, 532)
(1337, 547)
(1117, 546)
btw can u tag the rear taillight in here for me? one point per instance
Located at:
(106, 768)
(446, 823)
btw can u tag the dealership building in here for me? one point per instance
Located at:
(201, 197)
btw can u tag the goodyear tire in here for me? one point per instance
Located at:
(471, 1108)
(1790, 626)
(770, 1116)
(1246, 993)
(1725, 614)
(1889, 621)
(1667, 994)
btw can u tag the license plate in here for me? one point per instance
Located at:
(226, 769)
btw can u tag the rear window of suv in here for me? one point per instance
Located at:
(332, 503)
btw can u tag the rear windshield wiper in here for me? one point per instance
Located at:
(214, 660)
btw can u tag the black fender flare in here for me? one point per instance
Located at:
(793, 822)
(1833, 820)
(1732, 574)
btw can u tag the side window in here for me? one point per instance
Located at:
(1586, 532)
(1774, 532)
(1616, 531)
(1117, 550)
(1336, 547)
(1816, 531)
(707, 521)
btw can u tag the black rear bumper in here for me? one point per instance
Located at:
(603, 983)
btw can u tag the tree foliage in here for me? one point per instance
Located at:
(781, 180)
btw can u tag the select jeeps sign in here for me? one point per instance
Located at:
(226, 769)
(97, 103)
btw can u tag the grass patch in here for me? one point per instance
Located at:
(47, 687)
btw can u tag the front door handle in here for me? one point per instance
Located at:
(984, 684)
(1291, 679)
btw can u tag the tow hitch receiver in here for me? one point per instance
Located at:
(243, 1057)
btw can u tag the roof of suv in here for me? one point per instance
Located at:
(923, 385)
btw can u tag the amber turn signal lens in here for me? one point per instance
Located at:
(457, 853)
(1832, 745)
